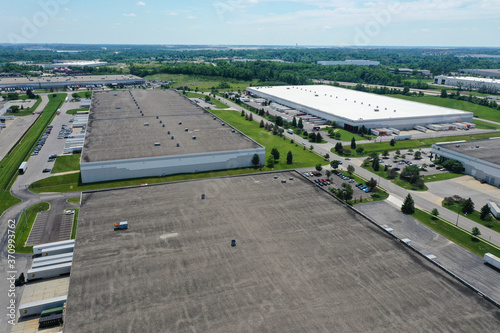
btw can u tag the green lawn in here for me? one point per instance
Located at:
(75, 111)
(10, 163)
(75, 223)
(455, 234)
(74, 200)
(218, 104)
(66, 163)
(347, 136)
(25, 224)
(81, 94)
(379, 147)
(27, 111)
(441, 176)
(478, 110)
(485, 125)
(457, 208)
(202, 83)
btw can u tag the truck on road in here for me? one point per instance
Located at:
(492, 260)
(23, 167)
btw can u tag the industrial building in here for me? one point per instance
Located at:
(468, 82)
(350, 62)
(293, 267)
(482, 72)
(480, 158)
(72, 63)
(148, 133)
(58, 82)
(352, 109)
(4, 106)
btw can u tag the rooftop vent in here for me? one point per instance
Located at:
(223, 124)
(178, 145)
(457, 146)
(161, 121)
(168, 132)
(172, 137)
(215, 118)
(157, 117)
(163, 125)
(115, 94)
(203, 196)
(233, 131)
(157, 144)
(376, 110)
(146, 124)
(180, 122)
(194, 137)
(118, 107)
(142, 114)
(477, 146)
(186, 129)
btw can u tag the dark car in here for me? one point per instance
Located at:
(233, 242)
(46, 170)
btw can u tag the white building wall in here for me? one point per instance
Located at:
(168, 165)
(467, 83)
(4, 108)
(477, 168)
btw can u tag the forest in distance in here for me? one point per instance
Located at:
(290, 65)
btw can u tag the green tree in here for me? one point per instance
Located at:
(353, 143)
(275, 153)
(348, 191)
(350, 169)
(328, 173)
(338, 136)
(88, 94)
(411, 173)
(393, 142)
(270, 161)
(376, 165)
(75, 95)
(294, 122)
(327, 156)
(207, 98)
(444, 93)
(255, 160)
(300, 124)
(485, 210)
(468, 206)
(360, 150)
(408, 206)
(319, 138)
(385, 153)
(312, 137)
(319, 167)
(289, 158)
(335, 164)
(372, 183)
(242, 113)
(261, 125)
(435, 213)
(475, 232)
(418, 155)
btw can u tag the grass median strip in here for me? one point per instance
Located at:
(67, 163)
(475, 216)
(9, 164)
(457, 235)
(75, 223)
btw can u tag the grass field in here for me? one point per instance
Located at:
(10, 163)
(456, 235)
(25, 224)
(379, 147)
(218, 104)
(75, 111)
(27, 111)
(441, 176)
(347, 136)
(66, 163)
(457, 208)
(478, 110)
(201, 83)
(74, 200)
(75, 223)
(485, 125)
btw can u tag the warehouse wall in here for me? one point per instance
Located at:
(168, 165)
(394, 122)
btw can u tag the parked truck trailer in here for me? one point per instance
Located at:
(48, 272)
(492, 260)
(36, 308)
(37, 249)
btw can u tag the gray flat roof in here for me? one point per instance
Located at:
(489, 149)
(303, 263)
(70, 79)
(117, 131)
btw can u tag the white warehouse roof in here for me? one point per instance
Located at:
(352, 104)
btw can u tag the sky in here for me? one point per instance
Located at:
(439, 23)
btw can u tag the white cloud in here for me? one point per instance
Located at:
(141, 3)
(190, 17)
(67, 9)
(172, 13)
(129, 15)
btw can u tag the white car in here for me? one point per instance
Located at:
(69, 212)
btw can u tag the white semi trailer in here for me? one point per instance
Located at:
(492, 260)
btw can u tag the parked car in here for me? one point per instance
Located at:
(46, 170)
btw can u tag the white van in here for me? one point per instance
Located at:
(290, 131)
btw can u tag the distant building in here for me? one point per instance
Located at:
(482, 72)
(480, 158)
(73, 63)
(350, 62)
(4, 106)
(409, 71)
(467, 82)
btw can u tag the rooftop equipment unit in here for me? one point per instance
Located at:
(121, 225)
(157, 144)
(163, 125)
(180, 122)
(194, 137)
(186, 129)
(146, 124)
(178, 145)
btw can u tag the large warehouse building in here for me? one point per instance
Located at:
(147, 133)
(352, 109)
(57, 82)
(294, 267)
(468, 82)
(480, 158)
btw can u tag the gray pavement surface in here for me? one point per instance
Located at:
(296, 267)
(470, 266)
